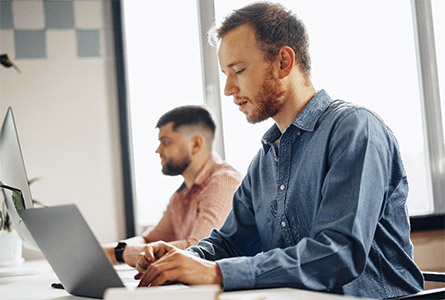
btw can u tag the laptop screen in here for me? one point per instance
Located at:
(71, 249)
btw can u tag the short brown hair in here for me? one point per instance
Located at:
(275, 27)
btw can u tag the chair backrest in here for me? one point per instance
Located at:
(434, 276)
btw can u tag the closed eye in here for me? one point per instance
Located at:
(239, 72)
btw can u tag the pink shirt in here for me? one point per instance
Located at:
(193, 212)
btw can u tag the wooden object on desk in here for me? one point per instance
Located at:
(429, 253)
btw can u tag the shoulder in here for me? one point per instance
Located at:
(341, 113)
(339, 110)
(223, 170)
(352, 123)
(221, 182)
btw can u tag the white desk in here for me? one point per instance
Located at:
(33, 279)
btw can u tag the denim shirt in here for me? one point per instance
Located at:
(326, 212)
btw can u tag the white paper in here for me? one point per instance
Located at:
(170, 292)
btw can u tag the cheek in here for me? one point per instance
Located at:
(168, 151)
(176, 152)
(251, 82)
(248, 86)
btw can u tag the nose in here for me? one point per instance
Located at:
(230, 88)
(158, 149)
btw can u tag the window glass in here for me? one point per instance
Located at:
(362, 52)
(438, 7)
(164, 71)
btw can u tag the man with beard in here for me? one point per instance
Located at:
(203, 201)
(323, 205)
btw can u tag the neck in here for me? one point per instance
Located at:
(195, 167)
(295, 100)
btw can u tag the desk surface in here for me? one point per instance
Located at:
(33, 279)
(30, 280)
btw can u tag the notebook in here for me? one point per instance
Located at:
(72, 250)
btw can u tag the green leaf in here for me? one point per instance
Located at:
(18, 200)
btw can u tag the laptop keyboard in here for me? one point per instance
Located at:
(126, 274)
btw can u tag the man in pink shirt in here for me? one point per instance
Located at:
(203, 201)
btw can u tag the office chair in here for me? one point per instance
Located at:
(438, 293)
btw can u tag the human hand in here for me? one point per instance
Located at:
(162, 263)
(152, 252)
(110, 253)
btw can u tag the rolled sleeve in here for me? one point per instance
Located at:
(238, 273)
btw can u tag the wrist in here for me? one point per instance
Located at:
(217, 279)
(119, 251)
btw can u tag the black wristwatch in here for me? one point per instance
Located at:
(119, 250)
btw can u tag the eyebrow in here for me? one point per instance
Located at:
(231, 65)
(163, 138)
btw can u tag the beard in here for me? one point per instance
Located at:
(267, 101)
(176, 167)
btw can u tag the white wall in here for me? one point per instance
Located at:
(66, 112)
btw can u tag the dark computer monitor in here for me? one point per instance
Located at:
(13, 174)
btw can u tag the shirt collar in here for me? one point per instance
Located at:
(204, 173)
(306, 120)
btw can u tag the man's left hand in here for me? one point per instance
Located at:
(162, 263)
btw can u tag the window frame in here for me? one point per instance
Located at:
(124, 120)
(430, 97)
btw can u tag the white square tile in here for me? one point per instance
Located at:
(28, 14)
(7, 42)
(61, 44)
(88, 14)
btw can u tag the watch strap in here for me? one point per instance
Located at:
(119, 251)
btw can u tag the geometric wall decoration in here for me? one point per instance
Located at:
(30, 43)
(36, 24)
(88, 43)
(59, 14)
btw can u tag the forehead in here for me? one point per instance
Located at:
(168, 131)
(239, 45)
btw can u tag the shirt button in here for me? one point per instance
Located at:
(283, 224)
(282, 187)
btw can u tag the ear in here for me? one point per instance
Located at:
(286, 57)
(197, 143)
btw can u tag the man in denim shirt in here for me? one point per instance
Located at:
(323, 204)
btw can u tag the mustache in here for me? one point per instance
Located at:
(237, 100)
(240, 98)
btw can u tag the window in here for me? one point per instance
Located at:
(438, 8)
(164, 71)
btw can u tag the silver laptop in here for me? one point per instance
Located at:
(72, 250)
